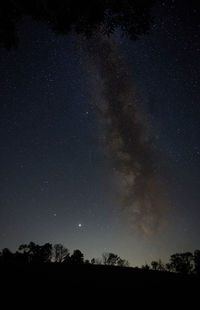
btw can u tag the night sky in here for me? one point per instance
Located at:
(63, 177)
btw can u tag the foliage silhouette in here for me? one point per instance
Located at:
(6, 256)
(35, 268)
(109, 258)
(182, 262)
(154, 265)
(158, 265)
(60, 253)
(122, 262)
(132, 17)
(145, 267)
(197, 262)
(77, 257)
(36, 253)
(112, 259)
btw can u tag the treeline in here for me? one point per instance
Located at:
(184, 263)
(33, 253)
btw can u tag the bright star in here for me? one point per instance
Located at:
(80, 225)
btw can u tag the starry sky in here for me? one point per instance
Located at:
(59, 179)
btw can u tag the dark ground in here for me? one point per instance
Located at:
(50, 283)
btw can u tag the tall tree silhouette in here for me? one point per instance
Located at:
(197, 262)
(59, 253)
(154, 265)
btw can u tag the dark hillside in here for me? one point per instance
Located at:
(60, 276)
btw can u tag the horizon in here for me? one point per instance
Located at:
(100, 138)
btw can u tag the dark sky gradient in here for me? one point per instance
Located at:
(55, 173)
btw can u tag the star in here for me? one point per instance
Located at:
(79, 225)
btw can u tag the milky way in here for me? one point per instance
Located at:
(126, 137)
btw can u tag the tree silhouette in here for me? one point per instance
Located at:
(77, 257)
(32, 253)
(109, 258)
(59, 253)
(197, 262)
(168, 267)
(154, 265)
(182, 262)
(112, 259)
(6, 256)
(122, 262)
(36, 253)
(145, 267)
(93, 261)
(86, 17)
(158, 265)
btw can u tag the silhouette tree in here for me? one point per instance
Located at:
(87, 17)
(59, 253)
(154, 265)
(169, 267)
(158, 265)
(197, 262)
(25, 252)
(37, 253)
(109, 258)
(77, 257)
(182, 262)
(93, 261)
(145, 267)
(7, 256)
(67, 259)
(122, 262)
(113, 260)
